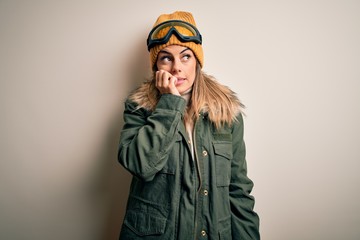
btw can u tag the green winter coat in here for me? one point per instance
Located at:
(176, 196)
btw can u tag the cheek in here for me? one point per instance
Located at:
(193, 72)
(162, 66)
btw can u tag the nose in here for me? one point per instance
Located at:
(176, 67)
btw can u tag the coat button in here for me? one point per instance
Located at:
(203, 233)
(206, 192)
(204, 153)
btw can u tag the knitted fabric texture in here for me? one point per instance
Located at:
(178, 15)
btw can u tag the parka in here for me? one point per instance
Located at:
(177, 195)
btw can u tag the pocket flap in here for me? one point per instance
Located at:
(223, 149)
(145, 224)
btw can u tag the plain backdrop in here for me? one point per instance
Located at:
(67, 66)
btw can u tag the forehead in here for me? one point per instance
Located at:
(175, 49)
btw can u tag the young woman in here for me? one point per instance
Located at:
(183, 143)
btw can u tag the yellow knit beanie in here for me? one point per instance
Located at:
(178, 15)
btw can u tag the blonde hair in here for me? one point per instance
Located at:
(215, 99)
(208, 97)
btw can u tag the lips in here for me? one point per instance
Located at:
(180, 81)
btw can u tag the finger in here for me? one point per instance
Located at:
(172, 81)
(157, 74)
(159, 79)
(165, 77)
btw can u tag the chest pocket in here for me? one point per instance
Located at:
(223, 155)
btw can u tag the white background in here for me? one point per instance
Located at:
(67, 66)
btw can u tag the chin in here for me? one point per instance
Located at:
(183, 90)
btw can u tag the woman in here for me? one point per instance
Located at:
(183, 143)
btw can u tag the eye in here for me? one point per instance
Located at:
(186, 57)
(165, 58)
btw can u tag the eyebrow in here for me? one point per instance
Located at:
(184, 50)
(166, 52)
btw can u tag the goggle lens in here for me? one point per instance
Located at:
(162, 33)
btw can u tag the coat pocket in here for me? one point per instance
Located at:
(223, 156)
(145, 224)
(225, 229)
(144, 218)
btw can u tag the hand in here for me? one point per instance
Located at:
(165, 82)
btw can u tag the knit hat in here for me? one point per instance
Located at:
(178, 15)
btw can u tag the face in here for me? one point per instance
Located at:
(180, 62)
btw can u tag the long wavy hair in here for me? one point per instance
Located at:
(208, 96)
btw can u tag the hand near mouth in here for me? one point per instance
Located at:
(166, 82)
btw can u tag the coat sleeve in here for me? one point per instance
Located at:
(244, 221)
(146, 139)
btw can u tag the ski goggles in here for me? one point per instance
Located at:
(191, 35)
